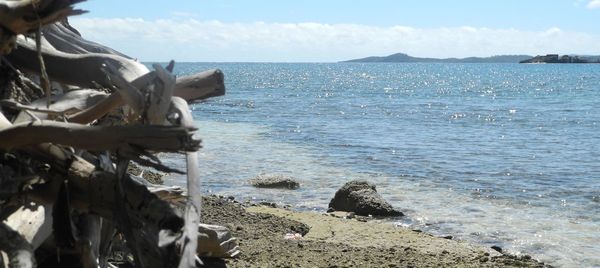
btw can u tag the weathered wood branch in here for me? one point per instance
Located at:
(34, 223)
(85, 70)
(160, 96)
(93, 192)
(97, 110)
(62, 37)
(66, 104)
(130, 94)
(18, 106)
(200, 86)
(96, 138)
(19, 17)
(19, 251)
(189, 240)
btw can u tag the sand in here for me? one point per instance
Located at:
(329, 240)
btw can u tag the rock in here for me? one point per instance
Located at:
(268, 204)
(148, 175)
(497, 248)
(362, 198)
(276, 182)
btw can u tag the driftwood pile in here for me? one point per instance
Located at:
(73, 115)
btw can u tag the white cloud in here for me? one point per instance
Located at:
(194, 40)
(593, 4)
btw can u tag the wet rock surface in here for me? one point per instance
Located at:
(274, 182)
(361, 197)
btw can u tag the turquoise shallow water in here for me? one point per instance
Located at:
(497, 154)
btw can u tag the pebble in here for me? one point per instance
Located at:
(268, 204)
(497, 248)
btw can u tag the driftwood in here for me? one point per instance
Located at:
(193, 204)
(19, 251)
(200, 86)
(62, 105)
(113, 138)
(64, 189)
(62, 37)
(86, 70)
(18, 17)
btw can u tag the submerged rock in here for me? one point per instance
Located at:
(276, 181)
(362, 198)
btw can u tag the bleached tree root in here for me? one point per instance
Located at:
(80, 195)
(19, 251)
(86, 71)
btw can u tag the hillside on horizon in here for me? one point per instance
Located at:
(402, 57)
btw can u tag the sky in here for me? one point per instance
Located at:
(336, 30)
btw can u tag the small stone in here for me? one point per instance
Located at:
(447, 237)
(231, 197)
(486, 254)
(417, 231)
(268, 204)
(497, 248)
(484, 259)
(445, 252)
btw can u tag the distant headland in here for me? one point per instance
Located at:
(401, 57)
(555, 58)
(550, 58)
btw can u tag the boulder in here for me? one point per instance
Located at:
(275, 181)
(362, 198)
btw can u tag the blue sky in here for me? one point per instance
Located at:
(332, 30)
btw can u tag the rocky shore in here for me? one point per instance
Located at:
(275, 237)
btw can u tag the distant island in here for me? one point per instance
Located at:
(550, 58)
(555, 58)
(401, 57)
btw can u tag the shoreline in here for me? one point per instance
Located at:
(329, 240)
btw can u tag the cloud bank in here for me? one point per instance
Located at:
(195, 40)
(593, 4)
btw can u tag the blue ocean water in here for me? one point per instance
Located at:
(496, 154)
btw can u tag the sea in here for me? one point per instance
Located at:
(501, 155)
